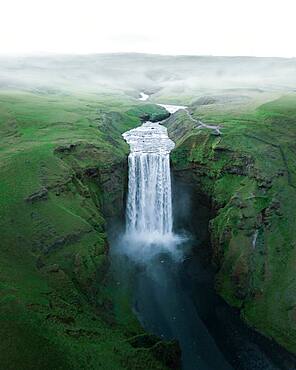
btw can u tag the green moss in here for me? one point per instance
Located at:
(250, 174)
(57, 155)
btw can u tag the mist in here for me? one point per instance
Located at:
(131, 73)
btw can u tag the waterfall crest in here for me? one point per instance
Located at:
(149, 203)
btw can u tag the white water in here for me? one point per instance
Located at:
(172, 108)
(149, 217)
(169, 107)
(149, 203)
(143, 96)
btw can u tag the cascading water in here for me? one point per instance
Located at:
(149, 203)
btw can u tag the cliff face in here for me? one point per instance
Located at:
(249, 173)
(62, 169)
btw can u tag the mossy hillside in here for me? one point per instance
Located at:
(58, 154)
(250, 174)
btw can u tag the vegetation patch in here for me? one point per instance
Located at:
(250, 174)
(62, 161)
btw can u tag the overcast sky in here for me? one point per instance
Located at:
(211, 27)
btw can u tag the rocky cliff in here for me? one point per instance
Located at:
(62, 170)
(249, 173)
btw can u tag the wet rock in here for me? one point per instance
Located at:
(65, 148)
(53, 268)
(275, 205)
(91, 172)
(143, 341)
(222, 149)
(264, 183)
(235, 170)
(40, 263)
(79, 333)
(145, 117)
(240, 278)
(68, 239)
(41, 194)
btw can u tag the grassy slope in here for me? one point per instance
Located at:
(54, 151)
(250, 173)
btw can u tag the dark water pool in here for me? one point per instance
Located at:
(175, 298)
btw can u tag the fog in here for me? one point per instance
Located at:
(151, 73)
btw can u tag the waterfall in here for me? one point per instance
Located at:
(149, 202)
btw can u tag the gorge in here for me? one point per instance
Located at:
(98, 271)
(172, 287)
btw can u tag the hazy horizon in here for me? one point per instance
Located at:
(61, 54)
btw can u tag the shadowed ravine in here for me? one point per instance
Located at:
(171, 281)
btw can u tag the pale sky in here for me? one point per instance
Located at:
(207, 27)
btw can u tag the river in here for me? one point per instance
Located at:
(173, 282)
